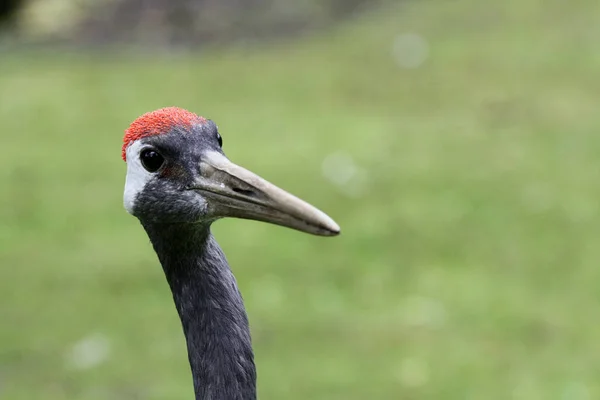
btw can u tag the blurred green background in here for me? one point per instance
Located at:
(455, 142)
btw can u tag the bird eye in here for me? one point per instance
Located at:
(151, 160)
(220, 139)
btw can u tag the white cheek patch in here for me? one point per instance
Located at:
(137, 177)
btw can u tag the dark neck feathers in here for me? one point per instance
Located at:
(211, 309)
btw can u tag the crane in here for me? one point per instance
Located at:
(178, 183)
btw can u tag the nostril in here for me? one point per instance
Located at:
(244, 192)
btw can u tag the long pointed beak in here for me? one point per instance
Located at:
(233, 191)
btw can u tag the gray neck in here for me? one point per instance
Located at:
(211, 309)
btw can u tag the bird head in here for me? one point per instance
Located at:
(177, 173)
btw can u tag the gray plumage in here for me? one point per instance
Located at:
(211, 309)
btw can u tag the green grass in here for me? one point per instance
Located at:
(468, 266)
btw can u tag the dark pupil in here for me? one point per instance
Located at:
(220, 139)
(151, 160)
